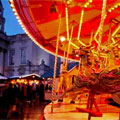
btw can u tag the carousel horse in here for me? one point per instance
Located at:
(98, 83)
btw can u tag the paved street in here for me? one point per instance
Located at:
(31, 111)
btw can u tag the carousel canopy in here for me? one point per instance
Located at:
(82, 23)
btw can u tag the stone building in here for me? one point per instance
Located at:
(19, 55)
(3, 42)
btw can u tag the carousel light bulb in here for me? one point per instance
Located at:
(20, 23)
(87, 3)
(62, 38)
(68, 2)
(15, 13)
(23, 28)
(90, 1)
(110, 10)
(116, 6)
(77, 55)
(85, 6)
(14, 10)
(12, 5)
(19, 20)
(11, 1)
(17, 17)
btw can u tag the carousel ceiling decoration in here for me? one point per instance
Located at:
(84, 24)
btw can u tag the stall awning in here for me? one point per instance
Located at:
(50, 73)
(28, 76)
(3, 77)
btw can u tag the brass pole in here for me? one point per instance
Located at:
(55, 65)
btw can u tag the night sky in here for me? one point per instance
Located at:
(12, 26)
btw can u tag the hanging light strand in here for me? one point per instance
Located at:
(67, 23)
(114, 7)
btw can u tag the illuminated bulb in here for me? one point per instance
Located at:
(14, 10)
(15, 13)
(85, 6)
(68, 2)
(116, 6)
(12, 5)
(87, 3)
(19, 21)
(62, 38)
(105, 16)
(17, 17)
(119, 47)
(23, 28)
(11, 1)
(77, 55)
(90, 1)
(110, 10)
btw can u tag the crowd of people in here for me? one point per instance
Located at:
(15, 95)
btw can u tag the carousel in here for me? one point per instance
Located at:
(84, 31)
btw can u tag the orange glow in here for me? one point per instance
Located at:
(13, 82)
(36, 81)
(22, 81)
(25, 82)
(18, 80)
(31, 82)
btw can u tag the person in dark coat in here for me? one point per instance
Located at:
(11, 94)
(41, 91)
(9, 98)
(29, 94)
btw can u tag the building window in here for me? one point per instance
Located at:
(11, 56)
(23, 55)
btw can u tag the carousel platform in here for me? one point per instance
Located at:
(67, 111)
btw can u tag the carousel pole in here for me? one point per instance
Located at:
(64, 55)
(67, 30)
(107, 56)
(103, 16)
(55, 65)
(68, 50)
(80, 25)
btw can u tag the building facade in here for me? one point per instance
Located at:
(3, 41)
(19, 55)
